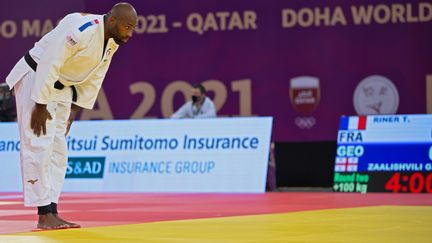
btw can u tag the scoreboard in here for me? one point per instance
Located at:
(384, 153)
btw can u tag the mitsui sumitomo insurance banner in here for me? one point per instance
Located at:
(208, 155)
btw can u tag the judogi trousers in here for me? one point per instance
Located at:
(43, 158)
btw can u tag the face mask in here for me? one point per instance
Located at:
(195, 98)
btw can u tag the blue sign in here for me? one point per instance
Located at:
(380, 149)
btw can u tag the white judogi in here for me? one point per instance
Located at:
(72, 53)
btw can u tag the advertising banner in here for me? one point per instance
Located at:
(305, 63)
(206, 155)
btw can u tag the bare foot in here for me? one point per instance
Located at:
(49, 222)
(71, 225)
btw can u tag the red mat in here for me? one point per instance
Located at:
(91, 210)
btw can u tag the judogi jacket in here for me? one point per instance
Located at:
(73, 54)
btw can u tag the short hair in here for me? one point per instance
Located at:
(200, 87)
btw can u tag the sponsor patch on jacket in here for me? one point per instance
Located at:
(88, 24)
(71, 40)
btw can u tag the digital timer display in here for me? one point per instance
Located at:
(384, 153)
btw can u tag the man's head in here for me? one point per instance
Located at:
(198, 93)
(120, 23)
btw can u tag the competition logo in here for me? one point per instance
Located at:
(109, 51)
(85, 167)
(305, 94)
(107, 54)
(376, 95)
(305, 97)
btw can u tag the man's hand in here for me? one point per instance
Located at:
(74, 111)
(38, 119)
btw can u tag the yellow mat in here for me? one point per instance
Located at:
(386, 224)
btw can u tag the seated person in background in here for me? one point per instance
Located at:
(199, 107)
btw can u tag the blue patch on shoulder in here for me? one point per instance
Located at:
(88, 24)
(85, 26)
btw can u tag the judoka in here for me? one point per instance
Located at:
(61, 74)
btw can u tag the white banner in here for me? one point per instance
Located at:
(187, 155)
